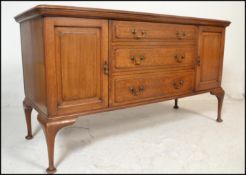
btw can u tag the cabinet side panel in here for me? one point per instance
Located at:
(33, 62)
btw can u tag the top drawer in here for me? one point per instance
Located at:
(140, 31)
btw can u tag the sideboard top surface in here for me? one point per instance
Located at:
(68, 11)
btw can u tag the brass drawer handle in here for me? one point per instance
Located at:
(134, 31)
(135, 91)
(179, 84)
(141, 89)
(137, 61)
(142, 58)
(180, 35)
(142, 35)
(179, 58)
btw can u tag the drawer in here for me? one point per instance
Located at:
(142, 87)
(127, 30)
(126, 58)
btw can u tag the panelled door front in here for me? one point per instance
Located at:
(81, 49)
(210, 51)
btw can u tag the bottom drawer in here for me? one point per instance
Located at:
(142, 87)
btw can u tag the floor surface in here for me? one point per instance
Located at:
(153, 138)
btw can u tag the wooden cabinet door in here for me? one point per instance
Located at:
(81, 49)
(210, 57)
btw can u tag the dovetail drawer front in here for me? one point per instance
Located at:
(141, 87)
(138, 31)
(126, 58)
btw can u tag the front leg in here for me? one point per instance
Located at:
(219, 93)
(50, 129)
(28, 111)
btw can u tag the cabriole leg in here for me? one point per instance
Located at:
(28, 111)
(50, 129)
(219, 93)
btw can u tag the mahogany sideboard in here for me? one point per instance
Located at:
(78, 61)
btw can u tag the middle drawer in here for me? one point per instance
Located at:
(127, 58)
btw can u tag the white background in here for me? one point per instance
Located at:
(234, 57)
